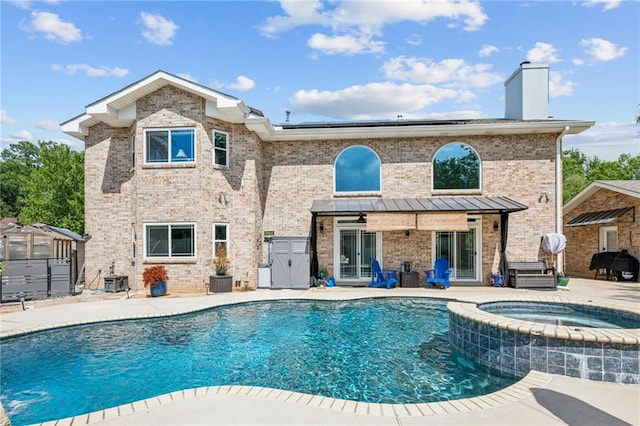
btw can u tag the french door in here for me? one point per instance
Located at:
(354, 249)
(462, 250)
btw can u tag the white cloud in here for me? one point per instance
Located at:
(53, 28)
(606, 4)
(47, 125)
(353, 23)
(487, 50)
(187, 77)
(345, 44)
(558, 86)
(414, 40)
(5, 119)
(577, 61)
(23, 4)
(90, 71)
(543, 52)
(372, 100)
(22, 135)
(448, 72)
(607, 141)
(242, 84)
(602, 50)
(158, 30)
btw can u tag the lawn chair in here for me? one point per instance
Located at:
(439, 275)
(382, 278)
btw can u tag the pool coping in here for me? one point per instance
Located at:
(518, 391)
(625, 336)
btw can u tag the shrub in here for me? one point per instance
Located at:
(154, 274)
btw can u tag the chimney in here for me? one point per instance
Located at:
(527, 92)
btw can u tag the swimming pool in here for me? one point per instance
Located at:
(392, 350)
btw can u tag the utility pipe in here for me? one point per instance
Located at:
(559, 183)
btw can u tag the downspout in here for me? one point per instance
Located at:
(559, 183)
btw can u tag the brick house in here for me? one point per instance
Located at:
(601, 218)
(175, 169)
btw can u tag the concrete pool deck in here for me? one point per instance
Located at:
(538, 399)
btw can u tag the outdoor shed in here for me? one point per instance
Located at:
(600, 223)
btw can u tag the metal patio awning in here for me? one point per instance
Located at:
(356, 206)
(602, 216)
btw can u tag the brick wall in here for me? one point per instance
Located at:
(271, 186)
(519, 167)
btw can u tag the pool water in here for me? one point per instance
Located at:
(564, 314)
(392, 350)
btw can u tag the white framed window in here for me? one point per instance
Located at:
(170, 240)
(220, 238)
(608, 238)
(169, 145)
(220, 148)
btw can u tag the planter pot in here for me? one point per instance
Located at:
(220, 283)
(159, 289)
(562, 281)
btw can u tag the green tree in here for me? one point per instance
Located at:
(18, 161)
(578, 171)
(55, 191)
(43, 183)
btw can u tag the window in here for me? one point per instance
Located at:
(220, 238)
(170, 146)
(456, 166)
(357, 169)
(175, 240)
(220, 148)
(608, 238)
(41, 247)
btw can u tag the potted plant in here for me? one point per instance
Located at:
(562, 280)
(221, 261)
(220, 282)
(155, 277)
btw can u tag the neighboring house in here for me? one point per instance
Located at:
(603, 217)
(175, 169)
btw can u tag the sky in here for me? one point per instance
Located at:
(327, 60)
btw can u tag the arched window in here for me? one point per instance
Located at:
(456, 166)
(357, 169)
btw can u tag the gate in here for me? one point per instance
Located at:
(36, 279)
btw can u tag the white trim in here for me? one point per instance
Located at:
(361, 227)
(169, 130)
(602, 238)
(591, 189)
(213, 147)
(477, 225)
(214, 240)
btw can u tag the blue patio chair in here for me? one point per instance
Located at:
(439, 275)
(382, 278)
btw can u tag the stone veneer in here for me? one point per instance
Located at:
(271, 186)
(515, 347)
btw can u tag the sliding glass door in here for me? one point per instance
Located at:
(461, 249)
(354, 249)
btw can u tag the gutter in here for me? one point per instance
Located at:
(559, 183)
